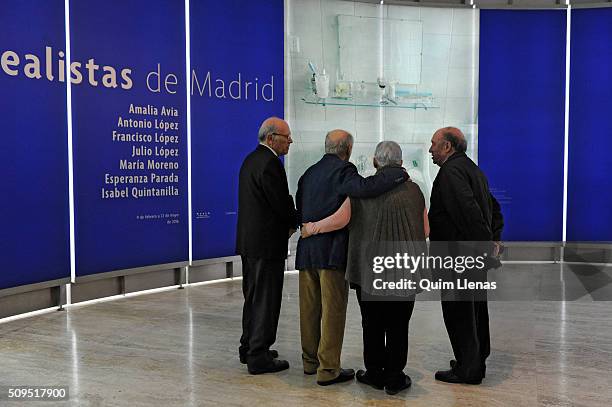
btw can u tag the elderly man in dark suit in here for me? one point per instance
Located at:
(321, 259)
(463, 210)
(266, 219)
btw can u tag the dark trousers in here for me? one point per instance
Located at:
(467, 324)
(262, 286)
(385, 338)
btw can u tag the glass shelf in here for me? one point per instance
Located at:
(411, 101)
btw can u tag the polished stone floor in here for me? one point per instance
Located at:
(178, 348)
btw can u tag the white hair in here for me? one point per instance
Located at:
(388, 153)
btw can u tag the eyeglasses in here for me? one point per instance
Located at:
(287, 136)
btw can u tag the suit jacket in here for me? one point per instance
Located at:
(266, 211)
(321, 191)
(462, 208)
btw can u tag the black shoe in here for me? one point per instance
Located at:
(453, 363)
(310, 373)
(396, 388)
(365, 378)
(273, 366)
(449, 376)
(344, 376)
(273, 355)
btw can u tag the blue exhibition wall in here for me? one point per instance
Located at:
(237, 81)
(129, 134)
(589, 201)
(129, 89)
(521, 118)
(34, 240)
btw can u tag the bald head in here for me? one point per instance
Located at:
(270, 126)
(275, 133)
(455, 137)
(339, 142)
(445, 142)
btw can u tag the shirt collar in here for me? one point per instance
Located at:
(265, 145)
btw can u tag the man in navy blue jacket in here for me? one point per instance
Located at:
(321, 259)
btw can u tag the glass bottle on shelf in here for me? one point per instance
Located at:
(382, 84)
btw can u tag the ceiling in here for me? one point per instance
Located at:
(497, 3)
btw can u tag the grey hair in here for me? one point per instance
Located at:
(340, 147)
(459, 144)
(266, 130)
(388, 153)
